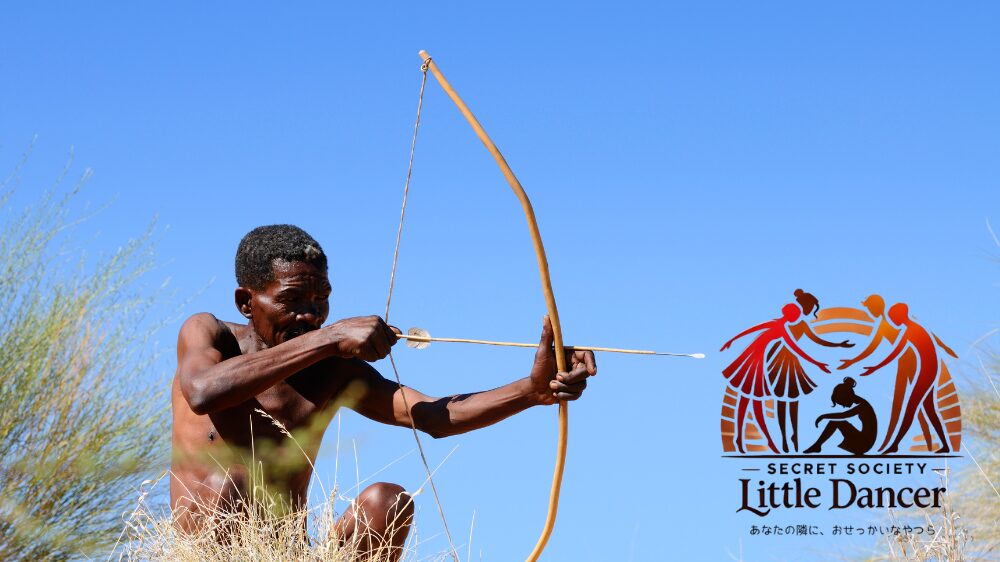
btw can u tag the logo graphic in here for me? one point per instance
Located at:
(774, 375)
(771, 376)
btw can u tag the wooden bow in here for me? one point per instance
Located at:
(550, 300)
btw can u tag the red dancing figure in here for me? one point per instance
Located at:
(788, 378)
(746, 373)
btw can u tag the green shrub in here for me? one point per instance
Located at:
(81, 419)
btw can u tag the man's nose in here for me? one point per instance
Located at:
(308, 314)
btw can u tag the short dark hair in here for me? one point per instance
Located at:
(264, 244)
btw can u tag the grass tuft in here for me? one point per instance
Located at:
(80, 417)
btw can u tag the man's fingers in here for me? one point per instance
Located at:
(389, 331)
(566, 395)
(579, 373)
(384, 337)
(545, 342)
(563, 388)
(378, 350)
(390, 336)
(547, 334)
(585, 358)
(381, 347)
(575, 388)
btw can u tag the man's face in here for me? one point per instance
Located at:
(296, 301)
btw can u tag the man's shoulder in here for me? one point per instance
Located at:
(204, 325)
(203, 322)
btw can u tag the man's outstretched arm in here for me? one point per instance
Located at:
(210, 382)
(460, 413)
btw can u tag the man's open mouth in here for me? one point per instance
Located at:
(298, 331)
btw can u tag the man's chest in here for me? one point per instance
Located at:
(296, 401)
(298, 406)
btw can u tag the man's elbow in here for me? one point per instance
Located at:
(435, 430)
(200, 408)
(438, 433)
(197, 397)
(431, 416)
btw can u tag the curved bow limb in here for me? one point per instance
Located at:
(550, 300)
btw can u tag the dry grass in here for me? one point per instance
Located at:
(976, 496)
(262, 527)
(968, 523)
(948, 542)
(264, 535)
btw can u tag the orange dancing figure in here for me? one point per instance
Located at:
(788, 378)
(746, 373)
(921, 395)
(906, 366)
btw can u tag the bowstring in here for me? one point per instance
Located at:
(388, 301)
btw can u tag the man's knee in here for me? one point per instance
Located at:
(388, 502)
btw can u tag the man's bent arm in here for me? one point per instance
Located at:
(442, 417)
(210, 383)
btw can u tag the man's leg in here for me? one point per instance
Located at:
(377, 523)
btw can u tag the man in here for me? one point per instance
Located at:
(284, 362)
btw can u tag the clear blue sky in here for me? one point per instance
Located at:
(690, 167)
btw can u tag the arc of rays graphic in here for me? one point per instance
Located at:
(853, 321)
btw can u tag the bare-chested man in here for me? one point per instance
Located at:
(285, 362)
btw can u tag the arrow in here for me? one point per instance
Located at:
(419, 338)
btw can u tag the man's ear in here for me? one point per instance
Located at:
(243, 298)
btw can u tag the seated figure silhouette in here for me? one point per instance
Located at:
(853, 440)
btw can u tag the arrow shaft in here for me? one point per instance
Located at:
(535, 345)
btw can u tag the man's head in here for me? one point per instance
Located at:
(283, 286)
(263, 245)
